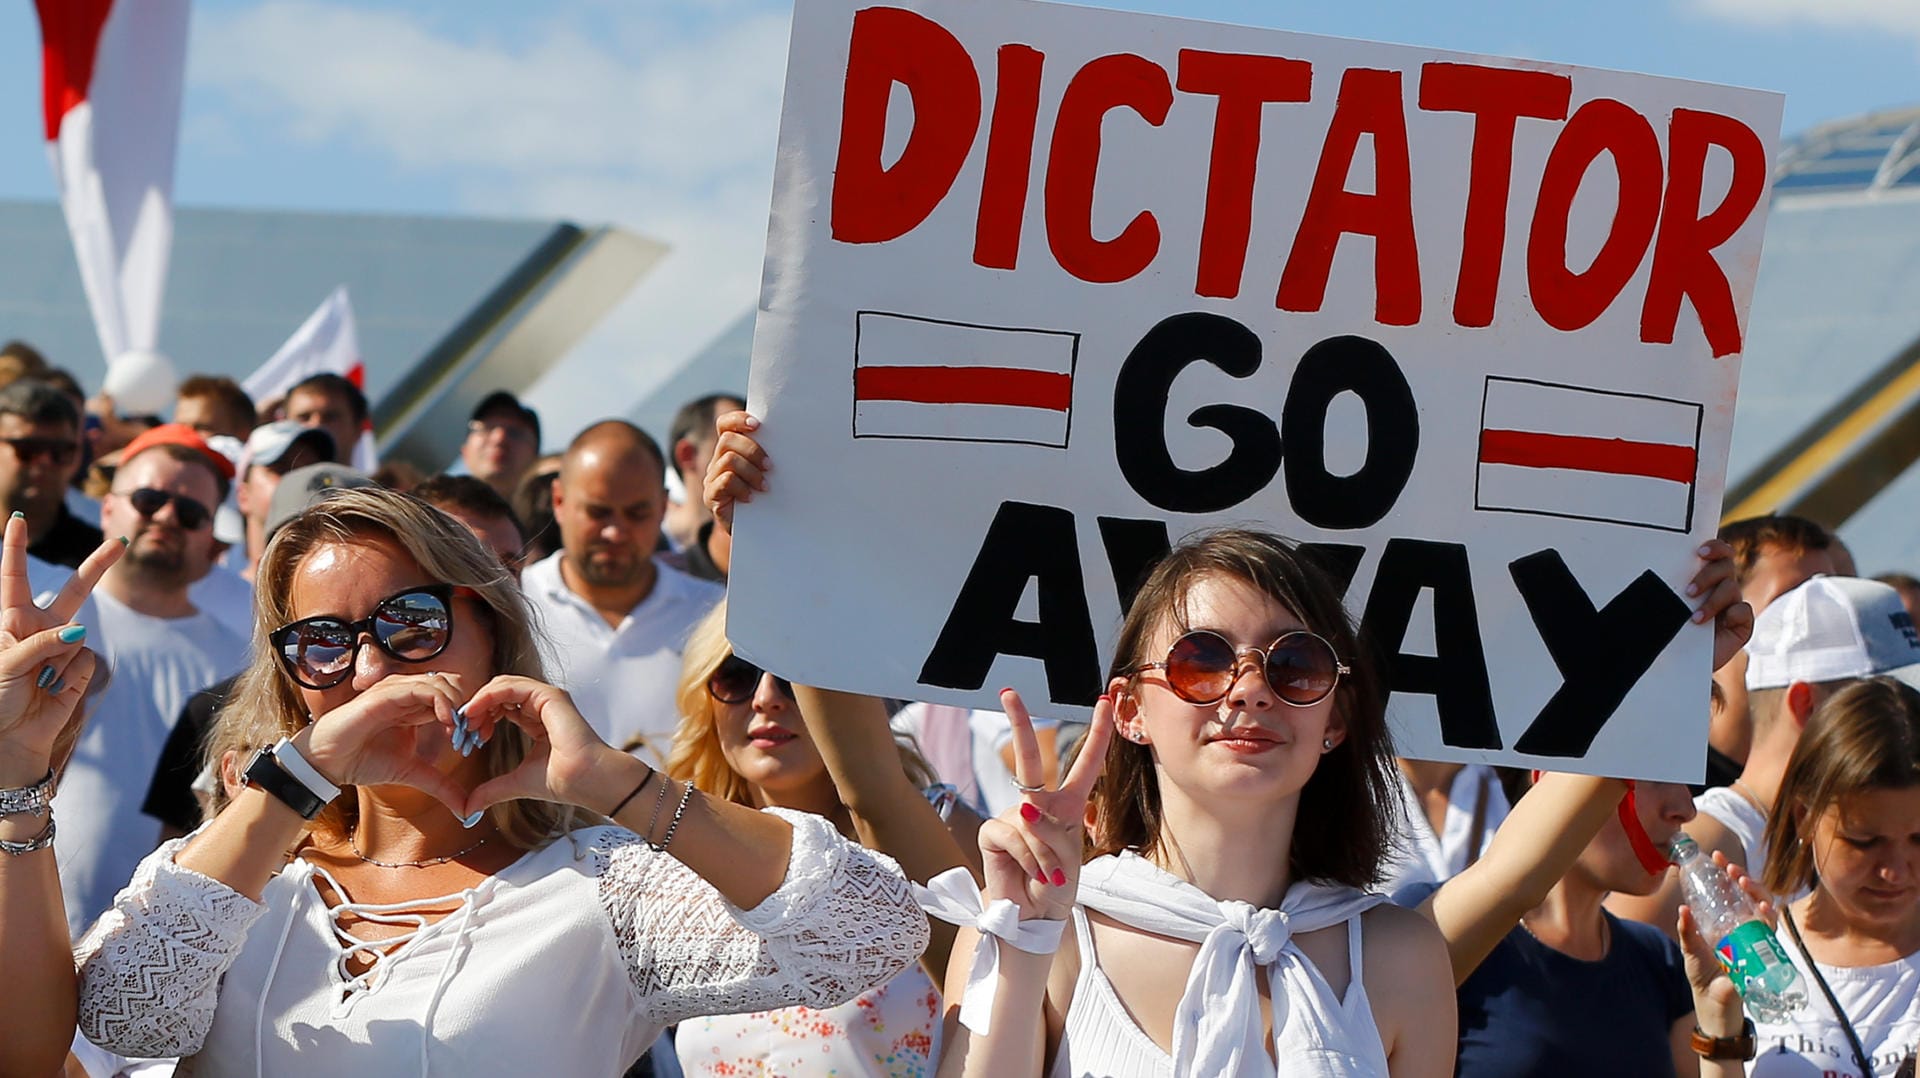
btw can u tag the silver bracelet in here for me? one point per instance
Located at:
(38, 842)
(686, 794)
(28, 800)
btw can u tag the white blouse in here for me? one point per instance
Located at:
(568, 962)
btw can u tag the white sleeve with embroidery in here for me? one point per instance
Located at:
(150, 968)
(843, 921)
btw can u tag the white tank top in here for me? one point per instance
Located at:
(1747, 823)
(1101, 1040)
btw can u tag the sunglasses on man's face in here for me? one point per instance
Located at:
(192, 515)
(1202, 666)
(736, 679)
(59, 451)
(413, 626)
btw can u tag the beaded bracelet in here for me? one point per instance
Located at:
(28, 800)
(686, 794)
(38, 842)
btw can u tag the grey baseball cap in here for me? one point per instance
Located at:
(302, 488)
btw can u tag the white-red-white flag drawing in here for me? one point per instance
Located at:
(951, 381)
(1568, 451)
(111, 81)
(326, 343)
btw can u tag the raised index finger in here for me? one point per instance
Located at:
(1027, 768)
(15, 591)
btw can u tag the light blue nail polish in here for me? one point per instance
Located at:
(73, 634)
(459, 728)
(469, 821)
(466, 744)
(47, 674)
(59, 684)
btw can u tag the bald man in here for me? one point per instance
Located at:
(615, 617)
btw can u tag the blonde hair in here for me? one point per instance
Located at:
(266, 705)
(696, 756)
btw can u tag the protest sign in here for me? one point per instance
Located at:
(1048, 288)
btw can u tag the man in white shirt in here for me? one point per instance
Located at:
(615, 618)
(160, 649)
(1808, 644)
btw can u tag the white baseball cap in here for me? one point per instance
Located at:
(1832, 628)
(271, 441)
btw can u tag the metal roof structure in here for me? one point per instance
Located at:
(446, 308)
(1828, 421)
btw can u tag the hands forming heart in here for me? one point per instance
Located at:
(375, 739)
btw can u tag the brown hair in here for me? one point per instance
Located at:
(266, 705)
(695, 756)
(1750, 538)
(1348, 809)
(1865, 737)
(235, 409)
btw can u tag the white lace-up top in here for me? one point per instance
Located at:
(568, 962)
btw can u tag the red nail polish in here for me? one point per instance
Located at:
(1029, 813)
(1004, 690)
(1059, 878)
(1041, 876)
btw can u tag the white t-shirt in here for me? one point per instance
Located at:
(227, 596)
(1420, 856)
(1882, 1003)
(622, 679)
(156, 664)
(1738, 815)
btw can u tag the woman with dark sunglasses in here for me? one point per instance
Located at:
(1243, 807)
(419, 874)
(755, 739)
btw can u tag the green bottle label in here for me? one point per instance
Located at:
(1748, 952)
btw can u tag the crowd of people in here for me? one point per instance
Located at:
(358, 770)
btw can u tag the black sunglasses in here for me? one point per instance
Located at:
(31, 449)
(736, 679)
(1202, 666)
(413, 626)
(192, 514)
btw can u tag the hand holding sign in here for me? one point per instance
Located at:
(739, 467)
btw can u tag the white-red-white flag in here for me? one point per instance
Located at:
(326, 343)
(112, 73)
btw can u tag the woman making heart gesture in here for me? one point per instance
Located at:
(418, 876)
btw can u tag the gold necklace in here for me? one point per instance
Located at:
(353, 843)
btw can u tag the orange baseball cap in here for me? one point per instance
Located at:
(177, 434)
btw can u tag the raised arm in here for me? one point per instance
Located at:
(891, 814)
(44, 671)
(1534, 847)
(1546, 831)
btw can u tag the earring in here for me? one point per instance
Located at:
(1326, 744)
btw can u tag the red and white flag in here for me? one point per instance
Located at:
(1567, 451)
(111, 73)
(950, 381)
(326, 343)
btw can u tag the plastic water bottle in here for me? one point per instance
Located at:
(1768, 983)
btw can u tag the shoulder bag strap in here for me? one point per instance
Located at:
(1853, 1039)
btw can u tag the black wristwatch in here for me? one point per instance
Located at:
(266, 773)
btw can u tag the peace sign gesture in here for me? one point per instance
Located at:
(44, 670)
(1032, 852)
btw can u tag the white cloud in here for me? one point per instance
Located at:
(1901, 17)
(665, 127)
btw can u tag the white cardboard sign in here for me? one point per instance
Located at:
(1050, 287)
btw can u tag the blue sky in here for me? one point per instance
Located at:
(661, 114)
